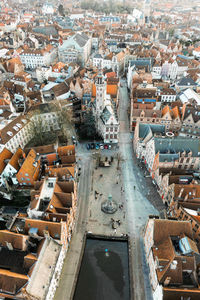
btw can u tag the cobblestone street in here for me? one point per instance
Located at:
(110, 183)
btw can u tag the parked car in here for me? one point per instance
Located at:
(101, 146)
(92, 145)
(97, 146)
(105, 146)
(88, 146)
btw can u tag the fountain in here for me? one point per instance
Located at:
(109, 206)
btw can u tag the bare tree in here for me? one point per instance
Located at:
(65, 116)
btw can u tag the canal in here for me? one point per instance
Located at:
(104, 272)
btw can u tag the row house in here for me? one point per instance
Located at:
(173, 272)
(22, 78)
(64, 164)
(144, 116)
(167, 95)
(187, 211)
(184, 193)
(38, 57)
(111, 61)
(143, 134)
(159, 150)
(190, 121)
(168, 117)
(31, 264)
(16, 133)
(145, 93)
(171, 118)
(34, 246)
(164, 177)
(171, 152)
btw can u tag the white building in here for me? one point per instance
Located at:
(114, 62)
(47, 9)
(105, 113)
(40, 57)
(76, 49)
(15, 133)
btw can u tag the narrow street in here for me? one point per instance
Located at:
(138, 207)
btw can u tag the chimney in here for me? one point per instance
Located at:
(9, 245)
(167, 281)
(181, 192)
(173, 265)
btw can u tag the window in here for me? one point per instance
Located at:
(26, 174)
(22, 178)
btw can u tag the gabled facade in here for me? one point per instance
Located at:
(104, 109)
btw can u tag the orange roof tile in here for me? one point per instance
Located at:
(28, 165)
(62, 151)
(14, 161)
(165, 110)
(112, 89)
(175, 112)
(111, 74)
(5, 154)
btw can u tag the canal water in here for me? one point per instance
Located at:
(104, 272)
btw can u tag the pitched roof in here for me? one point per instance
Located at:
(12, 128)
(30, 164)
(5, 154)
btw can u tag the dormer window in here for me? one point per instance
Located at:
(15, 128)
(10, 133)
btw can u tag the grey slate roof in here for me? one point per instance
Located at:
(144, 129)
(105, 116)
(46, 30)
(168, 157)
(176, 145)
(186, 81)
(97, 55)
(81, 39)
